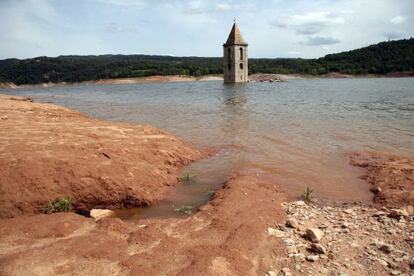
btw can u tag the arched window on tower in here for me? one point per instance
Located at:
(229, 53)
(241, 66)
(241, 54)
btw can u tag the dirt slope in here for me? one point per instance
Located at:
(48, 152)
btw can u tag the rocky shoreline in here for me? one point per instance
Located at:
(345, 240)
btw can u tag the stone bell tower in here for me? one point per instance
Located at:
(235, 57)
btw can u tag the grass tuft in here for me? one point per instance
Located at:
(64, 204)
(188, 178)
(307, 194)
(186, 209)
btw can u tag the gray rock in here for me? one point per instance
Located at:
(409, 209)
(289, 242)
(98, 214)
(312, 258)
(292, 223)
(386, 248)
(299, 257)
(300, 203)
(376, 190)
(292, 249)
(275, 232)
(379, 214)
(314, 234)
(286, 271)
(382, 262)
(317, 248)
(398, 213)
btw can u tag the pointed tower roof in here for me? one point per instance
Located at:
(235, 36)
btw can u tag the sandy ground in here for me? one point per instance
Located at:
(48, 152)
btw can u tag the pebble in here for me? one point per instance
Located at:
(386, 248)
(99, 214)
(286, 271)
(317, 248)
(292, 223)
(275, 232)
(314, 234)
(382, 262)
(312, 258)
(398, 213)
(289, 242)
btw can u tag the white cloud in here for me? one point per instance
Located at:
(309, 23)
(397, 19)
(116, 28)
(319, 40)
(316, 17)
(223, 7)
(124, 3)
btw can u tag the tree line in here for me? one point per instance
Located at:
(381, 58)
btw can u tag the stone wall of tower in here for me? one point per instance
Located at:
(235, 62)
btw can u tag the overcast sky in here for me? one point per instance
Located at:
(273, 28)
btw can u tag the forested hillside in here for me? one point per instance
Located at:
(385, 57)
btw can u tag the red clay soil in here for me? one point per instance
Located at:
(48, 152)
(391, 177)
(226, 237)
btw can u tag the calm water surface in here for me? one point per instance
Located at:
(295, 133)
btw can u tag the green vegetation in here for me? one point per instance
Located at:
(188, 178)
(384, 57)
(186, 209)
(307, 194)
(58, 205)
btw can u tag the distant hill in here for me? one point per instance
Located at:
(381, 58)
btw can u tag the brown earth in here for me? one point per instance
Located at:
(226, 237)
(391, 177)
(48, 152)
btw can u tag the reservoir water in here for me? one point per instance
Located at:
(296, 134)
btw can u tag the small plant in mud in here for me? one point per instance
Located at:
(59, 205)
(186, 209)
(307, 194)
(188, 178)
(210, 194)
